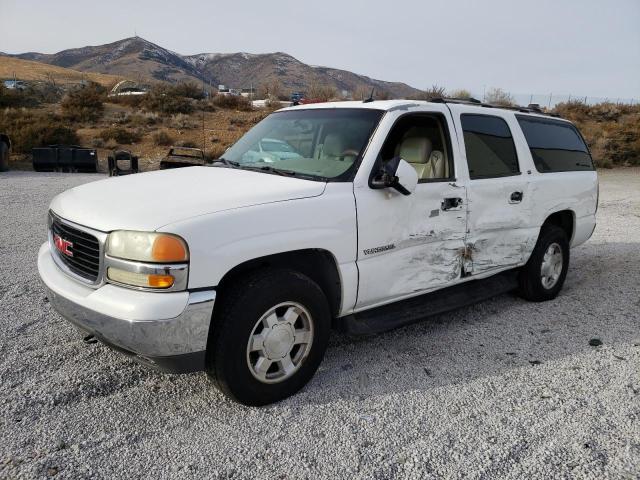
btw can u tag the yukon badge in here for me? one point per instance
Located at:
(63, 246)
(384, 248)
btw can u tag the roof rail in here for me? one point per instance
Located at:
(531, 108)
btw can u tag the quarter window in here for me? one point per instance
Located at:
(555, 146)
(489, 147)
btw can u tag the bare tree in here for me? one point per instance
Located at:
(321, 92)
(271, 89)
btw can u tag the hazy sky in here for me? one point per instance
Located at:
(587, 47)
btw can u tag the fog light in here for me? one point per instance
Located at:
(140, 279)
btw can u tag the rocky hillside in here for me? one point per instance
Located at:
(141, 60)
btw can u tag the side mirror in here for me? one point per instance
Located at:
(397, 174)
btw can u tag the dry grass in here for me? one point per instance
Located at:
(221, 129)
(36, 71)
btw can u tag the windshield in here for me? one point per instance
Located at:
(323, 143)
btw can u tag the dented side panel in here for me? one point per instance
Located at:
(419, 250)
(500, 233)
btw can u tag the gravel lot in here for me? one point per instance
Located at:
(505, 388)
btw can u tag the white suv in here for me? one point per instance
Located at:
(376, 215)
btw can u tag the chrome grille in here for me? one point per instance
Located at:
(85, 249)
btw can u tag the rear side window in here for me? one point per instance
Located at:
(555, 146)
(489, 146)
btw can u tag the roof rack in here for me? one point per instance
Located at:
(531, 108)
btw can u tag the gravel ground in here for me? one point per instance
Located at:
(502, 389)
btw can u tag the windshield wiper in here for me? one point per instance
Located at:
(286, 173)
(228, 163)
(270, 169)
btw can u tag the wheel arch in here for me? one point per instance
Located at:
(318, 264)
(564, 219)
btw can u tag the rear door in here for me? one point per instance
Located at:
(408, 245)
(499, 229)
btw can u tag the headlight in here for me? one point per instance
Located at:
(150, 261)
(147, 247)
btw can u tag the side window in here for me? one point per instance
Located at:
(489, 146)
(555, 146)
(423, 141)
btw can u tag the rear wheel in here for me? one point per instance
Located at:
(543, 276)
(270, 336)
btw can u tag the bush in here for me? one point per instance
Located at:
(84, 104)
(435, 91)
(235, 102)
(123, 136)
(497, 96)
(162, 138)
(29, 129)
(27, 98)
(460, 93)
(170, 99)
(182, 122)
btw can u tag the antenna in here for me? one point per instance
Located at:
(370, 99)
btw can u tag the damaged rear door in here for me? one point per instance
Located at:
(412, 244)
(499, 232)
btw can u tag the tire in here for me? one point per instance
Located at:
(4, 157)
(250, 373)
(534, 285)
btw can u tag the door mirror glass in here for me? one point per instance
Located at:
(396, 174)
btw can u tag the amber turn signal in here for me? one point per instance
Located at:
(160, 281)
(167, 248)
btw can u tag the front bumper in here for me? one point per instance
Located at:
(165, 330)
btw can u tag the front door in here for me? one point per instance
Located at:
(408, 245)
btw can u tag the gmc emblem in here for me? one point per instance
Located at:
(63, 246)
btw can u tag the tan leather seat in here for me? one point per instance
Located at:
(438, 165)
(333, 147)
(416, 151)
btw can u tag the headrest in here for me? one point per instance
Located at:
(415, 149)
(333, 145)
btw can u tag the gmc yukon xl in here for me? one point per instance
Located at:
(359, 216)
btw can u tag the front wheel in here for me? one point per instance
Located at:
(270, 336)
(542, 277)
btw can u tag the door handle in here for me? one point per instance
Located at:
(516, 197)
(451, 203)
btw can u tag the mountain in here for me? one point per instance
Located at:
(134, 58)
(141, 60)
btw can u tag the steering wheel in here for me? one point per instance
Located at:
(349, 152)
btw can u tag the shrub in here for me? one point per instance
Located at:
(182, 122)
(84, 104)
(235, 102)
(497, 96)
(163, 138)
(460, 93)
(121, 135)
(28, 129)
(171, 99)
(27, 98)
(435, 91)
(188, 144)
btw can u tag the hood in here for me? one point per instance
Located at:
(148, 201)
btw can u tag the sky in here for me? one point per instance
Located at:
(587, 47)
